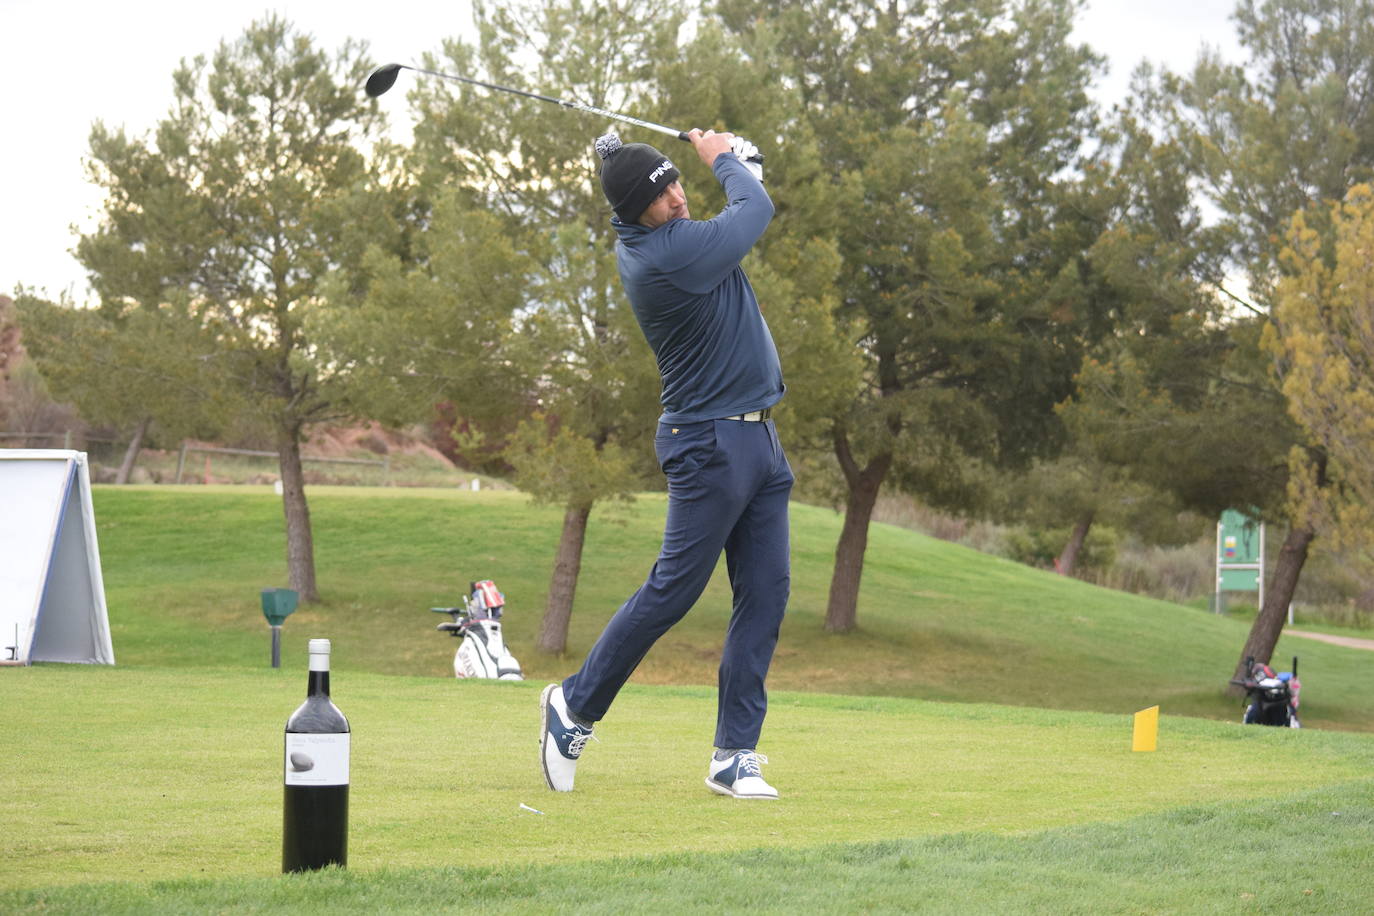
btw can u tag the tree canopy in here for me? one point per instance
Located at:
(1323, 337)
(216, 236)
(947, 134)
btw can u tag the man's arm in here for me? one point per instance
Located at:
(712, 248)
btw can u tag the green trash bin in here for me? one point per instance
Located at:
(277, 605)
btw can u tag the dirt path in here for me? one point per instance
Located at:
(1354, 642)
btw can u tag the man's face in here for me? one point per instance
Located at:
(671, 204)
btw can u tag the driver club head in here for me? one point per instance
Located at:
(382, 79)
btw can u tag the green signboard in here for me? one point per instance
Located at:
(1238, 539)
(1239, 580)
(1240, 552)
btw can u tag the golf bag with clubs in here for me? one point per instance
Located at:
(1271, 699)
(482, 652)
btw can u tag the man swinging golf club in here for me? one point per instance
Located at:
(728, 480)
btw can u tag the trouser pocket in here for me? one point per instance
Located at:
(684, 448)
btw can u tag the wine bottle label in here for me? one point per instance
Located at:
(316, 760)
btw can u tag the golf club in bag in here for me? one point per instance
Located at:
(1271, 699)
(384, 77)
(482, 652)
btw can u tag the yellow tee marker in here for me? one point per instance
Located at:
(1146, 732)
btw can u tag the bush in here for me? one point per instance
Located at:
(1041, 547)
(1178, 574)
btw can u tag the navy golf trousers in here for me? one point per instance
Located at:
(728, 486)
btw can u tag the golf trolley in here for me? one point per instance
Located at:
(1271, 699)
(482, 652)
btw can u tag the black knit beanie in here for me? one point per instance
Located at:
(632, 175)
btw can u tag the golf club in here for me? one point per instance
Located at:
(385, 77)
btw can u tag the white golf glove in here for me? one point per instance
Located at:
(745, 151)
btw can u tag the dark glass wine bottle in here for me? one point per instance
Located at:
(315, 821)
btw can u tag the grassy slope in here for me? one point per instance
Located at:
(937, 621)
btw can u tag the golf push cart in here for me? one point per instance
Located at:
(482, 652)
(1271, 698)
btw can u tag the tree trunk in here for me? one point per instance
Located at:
(300, 543)
(553, 630)
(1065, 563)
(1264, 633)
(842, 611)
(126, 467)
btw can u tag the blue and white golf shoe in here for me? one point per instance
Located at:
(561, 740)
(739, 776)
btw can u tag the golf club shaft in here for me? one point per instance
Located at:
(576, 106)
(385, 77)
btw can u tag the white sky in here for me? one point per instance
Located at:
(70, 63)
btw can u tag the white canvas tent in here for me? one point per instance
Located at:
(52, 596)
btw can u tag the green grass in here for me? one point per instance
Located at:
(183, 567)
(1308, 853)
(163, 775)
(967, 750)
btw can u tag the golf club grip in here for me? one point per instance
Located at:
(757, 157)
(650, 125)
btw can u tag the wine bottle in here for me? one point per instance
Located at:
(315, 820)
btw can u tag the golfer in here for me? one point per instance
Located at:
(728, 480)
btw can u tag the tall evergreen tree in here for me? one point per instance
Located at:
(1163, 341)
(228, 218)
(1289, 131)
(949, 131)
(509, 306)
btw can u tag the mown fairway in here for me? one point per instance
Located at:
(150, 775)
(155, 785)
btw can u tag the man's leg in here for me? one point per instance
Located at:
(757, 554)
(704, 500)
(696, 528)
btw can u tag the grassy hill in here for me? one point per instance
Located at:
(183, 568)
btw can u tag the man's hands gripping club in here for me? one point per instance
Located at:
(747, 153)
(711, 144)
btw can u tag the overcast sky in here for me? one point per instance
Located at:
(70, 63)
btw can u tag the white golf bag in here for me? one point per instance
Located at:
(482, 652)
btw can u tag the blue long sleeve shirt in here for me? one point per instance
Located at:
(696, 308)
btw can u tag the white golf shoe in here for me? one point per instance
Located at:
(739, 776)
(561, 740)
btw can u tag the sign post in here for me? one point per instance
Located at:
(277, 605)
(1240, 556)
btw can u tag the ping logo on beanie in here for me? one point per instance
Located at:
(632, 175)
